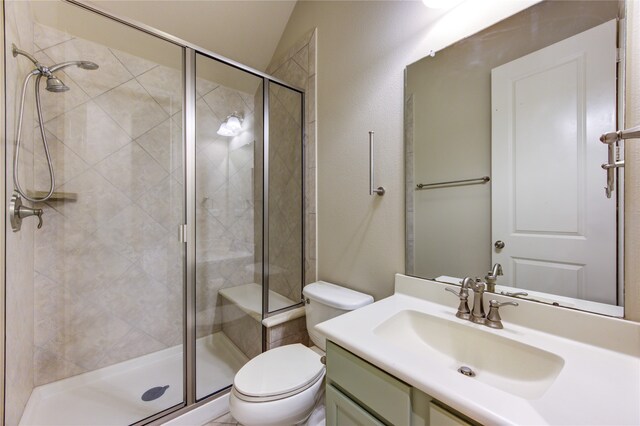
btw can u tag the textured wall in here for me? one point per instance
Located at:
(363, 48)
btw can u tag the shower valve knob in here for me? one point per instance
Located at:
(38, 212)
(17, 212)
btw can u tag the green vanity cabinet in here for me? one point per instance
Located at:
(358, 393)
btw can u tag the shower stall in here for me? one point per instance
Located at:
(170, 186)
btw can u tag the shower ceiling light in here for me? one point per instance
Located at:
(231, 126)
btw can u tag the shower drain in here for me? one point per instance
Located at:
(154, 393)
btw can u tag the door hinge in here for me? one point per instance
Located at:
(619, 54)
(182, 233)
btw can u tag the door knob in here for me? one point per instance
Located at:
(499, 245)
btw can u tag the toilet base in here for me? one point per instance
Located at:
(293, 410)
(318, 417)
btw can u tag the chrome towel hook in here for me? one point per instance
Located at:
(372, 190)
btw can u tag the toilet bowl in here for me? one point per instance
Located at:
(283, 385)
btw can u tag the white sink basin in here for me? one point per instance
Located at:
(505, 364)
(548, 366)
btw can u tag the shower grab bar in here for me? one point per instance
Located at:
(610, 139)
(372, 190)
(447, 184)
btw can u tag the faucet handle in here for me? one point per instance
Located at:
(496, 304)
(463, 293)
(516, 294)
(463, 308)
(493, 319)
(39, 213)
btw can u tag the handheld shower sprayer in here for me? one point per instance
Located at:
(54, 85)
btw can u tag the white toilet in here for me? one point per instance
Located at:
(283, 385)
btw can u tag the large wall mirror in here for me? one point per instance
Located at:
(503, 158)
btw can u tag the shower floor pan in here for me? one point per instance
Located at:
(113, 395)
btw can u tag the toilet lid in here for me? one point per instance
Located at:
(279, 371)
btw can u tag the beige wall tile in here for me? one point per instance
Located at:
(110, 74)
(131, 106)
(164, 144)
(45, 37)
(98, 201)
(164, 84)
(134, 64)
(89, 132)
(131, 170)
(244, 331)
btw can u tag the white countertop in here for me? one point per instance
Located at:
(598, 384)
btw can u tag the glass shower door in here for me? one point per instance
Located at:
(94, 298)
(228, 222)
(285, 192)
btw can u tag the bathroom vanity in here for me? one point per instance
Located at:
(401, 361)
(359, 393)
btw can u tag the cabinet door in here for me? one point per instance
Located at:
(342, 411)
(438, 416)
(380, 392)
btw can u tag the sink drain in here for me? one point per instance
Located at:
(154, 393)
(464, 370)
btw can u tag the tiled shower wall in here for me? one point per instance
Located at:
(297, 67)
(19, 253)
(108, 267)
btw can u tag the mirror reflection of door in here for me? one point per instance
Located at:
(548, 203)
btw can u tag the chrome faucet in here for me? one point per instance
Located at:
(478, 287)
(477, 315)
(492, 277)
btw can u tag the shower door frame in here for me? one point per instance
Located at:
(188, 228)
(3, 240)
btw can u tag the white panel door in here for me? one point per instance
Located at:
(548, 202)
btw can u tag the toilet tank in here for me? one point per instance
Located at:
(324, 301)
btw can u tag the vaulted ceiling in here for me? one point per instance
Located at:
(246, 31)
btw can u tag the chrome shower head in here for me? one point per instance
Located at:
(54, 84)
(88, 65)
(85, 65)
